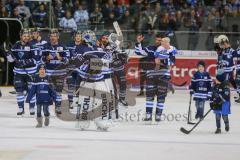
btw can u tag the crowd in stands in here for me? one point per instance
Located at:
(170, 15)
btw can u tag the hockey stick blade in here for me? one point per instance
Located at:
(184, 130)
(192, 123)
(187, 132)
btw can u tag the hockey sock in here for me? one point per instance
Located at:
(218, 120)
(149, 107)
(32, 102)
(20, 99)
(58, 100)
(159, 109)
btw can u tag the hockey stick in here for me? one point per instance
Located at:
(189, 112)
(189, 131)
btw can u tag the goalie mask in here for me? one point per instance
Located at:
(89, 36)
(114, 38)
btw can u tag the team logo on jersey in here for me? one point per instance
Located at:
(20, 54)
(59, 48)
(27, 48)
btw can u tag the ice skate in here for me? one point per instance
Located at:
(123, 102)
(20, 112)
(157, 118)
(83, 124)
(39, 122)
(103, 125)
(32, 111)
(148, 119)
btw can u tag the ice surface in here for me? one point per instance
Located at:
(129, 139)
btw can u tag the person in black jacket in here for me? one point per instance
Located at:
(220, 101)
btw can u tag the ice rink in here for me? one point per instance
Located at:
(129, 139)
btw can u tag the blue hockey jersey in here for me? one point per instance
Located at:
(43, 91)
(237, 58)
(148, 60)
(96, 65)
(23, 57)
(37, 48)
(225, 60)
(51, 65)
(167, 59)
(201, 85)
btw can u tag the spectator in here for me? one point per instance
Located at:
(16, 14)
(109, 22)
(3, 12)
(40, 16)
(153, 20)
(24, 12)
(179, 20)
(172, 24)
(96, 16)
(81, 16)
(107, 9)
(163, 24)
(193, 23)
(119, 11)
(67, 22)
(59, 11)
(127, 21)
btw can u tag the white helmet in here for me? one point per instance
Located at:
(222, 39)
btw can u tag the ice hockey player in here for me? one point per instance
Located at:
(37, 44)
(220, 101)
(119, 59)
(225, 59)
(54, 55)
(200, 88)
(24, 67)
(44, 93)
(237, 69)
(93, 77)
(158, 79)
(73, 81)
(148, 60)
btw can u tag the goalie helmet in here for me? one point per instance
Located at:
(114, 39)
(89, 37)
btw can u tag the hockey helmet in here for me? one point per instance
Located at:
(222, 39)
(54, 31)
(89, 36)
(25, 31)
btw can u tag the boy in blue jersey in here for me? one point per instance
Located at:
(200, 88)
(220, 101)
(44, 93)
